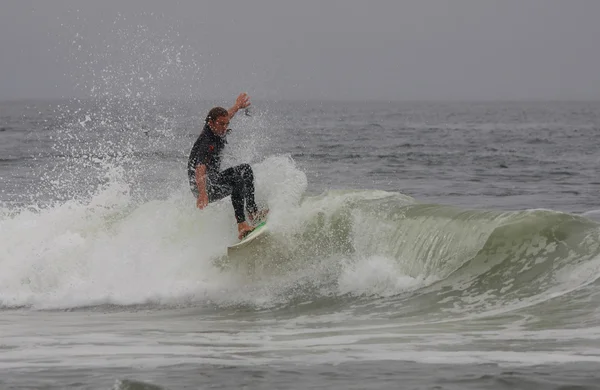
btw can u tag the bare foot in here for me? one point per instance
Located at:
(258, 216)
(244, 229)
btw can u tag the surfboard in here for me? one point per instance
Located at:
(258, 231)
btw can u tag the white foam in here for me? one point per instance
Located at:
(374, 275)
(112, 250)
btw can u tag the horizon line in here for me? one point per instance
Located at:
(313, 99)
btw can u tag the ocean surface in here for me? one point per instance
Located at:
(413, 245)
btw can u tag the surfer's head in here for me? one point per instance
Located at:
(218, 120)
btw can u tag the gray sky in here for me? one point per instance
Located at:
(342, 49)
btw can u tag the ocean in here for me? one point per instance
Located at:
(413, 245)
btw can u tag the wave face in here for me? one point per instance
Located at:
(379, 250)
(373, 244)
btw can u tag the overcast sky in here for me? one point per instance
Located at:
(344, 49)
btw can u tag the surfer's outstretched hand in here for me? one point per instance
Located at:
(202, 201)
(242, 101)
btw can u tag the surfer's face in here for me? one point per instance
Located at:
(219, 125)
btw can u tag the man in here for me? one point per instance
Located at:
(208, 183)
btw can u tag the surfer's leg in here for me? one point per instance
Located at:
(247, 175)
(245, 171)
(231, 179)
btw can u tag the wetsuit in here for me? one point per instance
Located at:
(236, 181)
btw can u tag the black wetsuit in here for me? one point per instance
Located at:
(236, 181)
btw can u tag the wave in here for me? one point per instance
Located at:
(337, 248)
(379, 244)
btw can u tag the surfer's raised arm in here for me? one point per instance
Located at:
(242, 101)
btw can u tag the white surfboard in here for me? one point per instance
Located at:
(258, 231)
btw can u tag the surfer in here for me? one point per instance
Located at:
(208, 183)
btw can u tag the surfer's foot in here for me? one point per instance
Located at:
(259, 216)
(244, 229)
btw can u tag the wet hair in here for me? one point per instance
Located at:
(216, 112)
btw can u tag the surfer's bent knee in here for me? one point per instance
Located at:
(246, 170)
